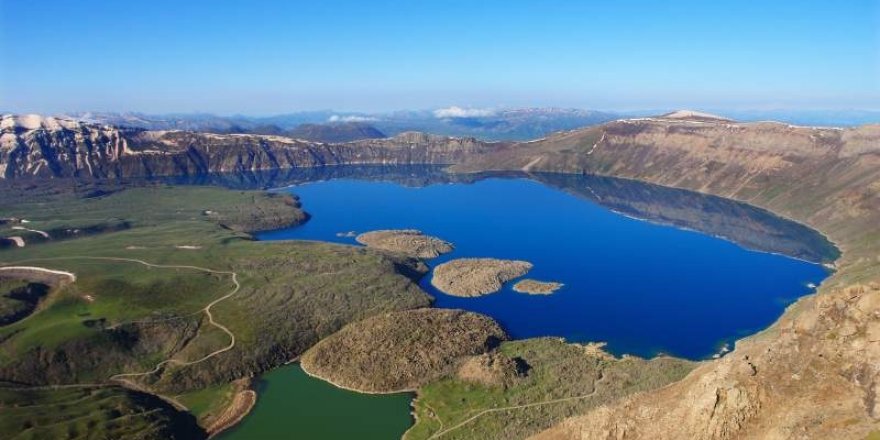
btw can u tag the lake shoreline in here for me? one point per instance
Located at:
(319, 401)
(243, 402)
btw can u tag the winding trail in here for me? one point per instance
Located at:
(513, 407)
(207, 309)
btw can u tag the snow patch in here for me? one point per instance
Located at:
(350, 118)
(37, 122)
(691, 114)
(458, 112)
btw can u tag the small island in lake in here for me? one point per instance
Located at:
(535, 287)
(405, 241)
(469, 277)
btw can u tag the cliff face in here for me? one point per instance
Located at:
(44, 147)
(816, 372)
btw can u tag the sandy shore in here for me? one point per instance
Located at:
(242, 404)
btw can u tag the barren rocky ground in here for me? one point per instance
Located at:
(476, 276)
(405, 241)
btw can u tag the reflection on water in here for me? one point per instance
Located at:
(640, 286)
(751, 227)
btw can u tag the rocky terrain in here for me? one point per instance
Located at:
(471, 277)
(535, 287)
(401, 350)
(35, 146)
(524, 386)
(826, 178)
(405, 241)
(492, 369)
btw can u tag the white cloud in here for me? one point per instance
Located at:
(458, 112)
(350, 118)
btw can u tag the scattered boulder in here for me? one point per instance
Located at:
(493, 369)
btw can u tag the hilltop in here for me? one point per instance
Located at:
(335, 132)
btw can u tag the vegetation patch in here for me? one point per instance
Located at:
(551, 380)
(91, 412)
(401, 351)
(18, 298)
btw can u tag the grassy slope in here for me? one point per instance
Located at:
(401, 351)
(98, 412)
(292, 293)
(556, 371)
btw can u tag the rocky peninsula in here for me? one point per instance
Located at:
(401, 351)
(470, 277)
(411, 242)
(535, 287)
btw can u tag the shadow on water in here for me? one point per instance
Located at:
(746, 225)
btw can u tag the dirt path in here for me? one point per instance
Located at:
(513, 407)
(206, 309)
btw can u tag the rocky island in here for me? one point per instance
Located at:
(535, 287)
(411, 242)
(471, 277)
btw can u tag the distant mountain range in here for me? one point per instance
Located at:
(484, 124)
(329, 126)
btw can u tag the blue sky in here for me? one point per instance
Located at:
(282, 56)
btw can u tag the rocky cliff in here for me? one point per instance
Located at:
(54, 147)
(816, 372)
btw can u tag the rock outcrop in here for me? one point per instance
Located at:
(55, 147)
(410, 242)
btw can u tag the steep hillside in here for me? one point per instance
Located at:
(816, 372)
(43, 146)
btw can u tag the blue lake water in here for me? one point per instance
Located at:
(642, 287)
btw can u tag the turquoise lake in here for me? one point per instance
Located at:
(292, 405)
(644, 267)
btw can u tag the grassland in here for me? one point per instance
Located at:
(558, 380)
(137, 310)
